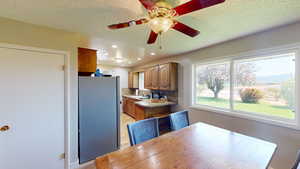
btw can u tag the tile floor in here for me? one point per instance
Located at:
(125, 119)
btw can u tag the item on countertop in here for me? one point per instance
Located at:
(98, 73)
(164, 99)
(155, 95)
(148, 96)
(154, 100)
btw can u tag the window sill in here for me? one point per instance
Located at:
(259, 118)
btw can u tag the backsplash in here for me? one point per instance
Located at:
(172, 95)
(126, 91)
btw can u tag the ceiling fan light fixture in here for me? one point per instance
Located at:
(161, 24)
(162, 16)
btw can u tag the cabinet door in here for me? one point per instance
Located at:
(155, 77)
(125, 106)
(147, 79)
(131, 108)
(164, 77)
(133, 80)
(87, 60)
(130, 80)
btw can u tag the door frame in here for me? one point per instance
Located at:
(67, 96)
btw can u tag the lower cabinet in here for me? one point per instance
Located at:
(129, 106)
(140, 113)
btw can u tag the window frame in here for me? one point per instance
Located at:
(194, 88)
(141, 83)
(291, 123)
(143, 89)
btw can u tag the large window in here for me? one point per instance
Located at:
(141, 81)
(213, 87)
(263, 86)
(266, 85)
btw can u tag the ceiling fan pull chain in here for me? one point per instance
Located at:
(160, 41)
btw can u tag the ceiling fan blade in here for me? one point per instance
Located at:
(119, 25)
(128, 24)
(185, 29)
(152, 37)
(195, 5)
(148, 4)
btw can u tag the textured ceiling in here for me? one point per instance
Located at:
(232, 19)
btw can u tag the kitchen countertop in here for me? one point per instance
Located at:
(147, 104)
(135, 97)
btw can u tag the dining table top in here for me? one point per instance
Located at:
(199, 146)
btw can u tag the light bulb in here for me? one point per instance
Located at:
(161, 24)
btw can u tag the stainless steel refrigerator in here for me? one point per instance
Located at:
(99, 116)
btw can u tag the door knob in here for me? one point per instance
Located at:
(4, 128)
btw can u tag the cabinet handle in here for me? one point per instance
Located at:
(4, 128)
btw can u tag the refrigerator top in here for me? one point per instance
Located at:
(89, 77)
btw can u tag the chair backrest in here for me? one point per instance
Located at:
(143, 130)
(179, 120)
(297, 163)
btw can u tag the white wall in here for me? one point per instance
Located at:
(14, 32)
(20, 33)
(288, 140)
(117, 71)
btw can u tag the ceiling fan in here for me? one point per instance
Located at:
(162, 17)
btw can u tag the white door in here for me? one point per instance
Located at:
(32, 105)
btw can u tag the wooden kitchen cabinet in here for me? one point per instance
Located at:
(133, 80)
(87, 61)
(168, 76)
(151, 80)
(129, 106)
(147, 79)
(161, 77)
(155, 78)
(124, 104)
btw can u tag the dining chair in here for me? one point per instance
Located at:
(179, 120)
(143, 130)
(296, 165)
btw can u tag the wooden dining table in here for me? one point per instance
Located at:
(199, 146)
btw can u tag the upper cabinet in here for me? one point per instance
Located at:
(155, 78)
(147, 79)
(87, 61)
(168, 76)
(162, 77)
(133, 80)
